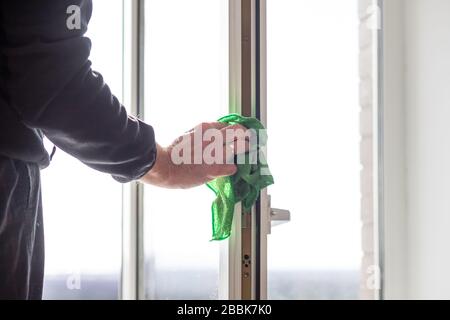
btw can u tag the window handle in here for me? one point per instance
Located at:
(276, 216)
(279, 216)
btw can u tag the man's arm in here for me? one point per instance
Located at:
(50, 84)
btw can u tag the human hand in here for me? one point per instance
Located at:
(196, 158)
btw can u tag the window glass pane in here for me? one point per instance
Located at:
(313, 118)
(82, 207)
(186, 82)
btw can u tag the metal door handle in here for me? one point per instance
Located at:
(276, 216)
(279, 216)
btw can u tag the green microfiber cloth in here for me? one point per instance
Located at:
(245, 185)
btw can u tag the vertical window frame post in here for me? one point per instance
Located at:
(248, 241)
(132, 275)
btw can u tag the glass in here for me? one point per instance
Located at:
(313, 118)
(82, 207)
(186, 83)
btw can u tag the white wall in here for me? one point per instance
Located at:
(427, 70)
(423, 247)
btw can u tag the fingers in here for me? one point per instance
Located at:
(224, 142)
(229, 132)
(234, 132)
(238, 138)
(219, 141)
(223, 170)
(218, 125)
(228, 154)
(209, 125)
(239, 146)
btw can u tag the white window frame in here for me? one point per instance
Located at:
(233, 285)
(394, 221)
(231, 272)
(132, 276)
(371, 149)
(247, 25)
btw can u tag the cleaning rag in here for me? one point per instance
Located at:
(244, 186)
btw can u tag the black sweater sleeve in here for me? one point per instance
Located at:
(50, 84)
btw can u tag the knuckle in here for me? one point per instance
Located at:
(205, 125)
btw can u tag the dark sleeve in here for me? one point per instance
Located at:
(51, 85)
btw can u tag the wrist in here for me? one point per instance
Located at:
(159, 175)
